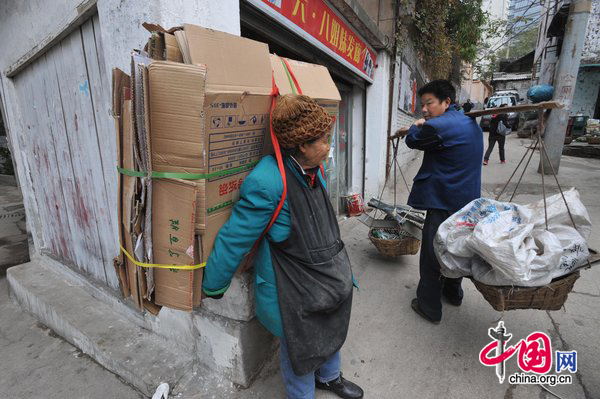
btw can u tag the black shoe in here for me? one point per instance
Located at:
(452, 300)
(342, 388)
(415, 306)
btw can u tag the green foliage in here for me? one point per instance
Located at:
(514, 43)
(447, 30)
(522, 44)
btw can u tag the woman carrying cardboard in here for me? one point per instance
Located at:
(303, 277)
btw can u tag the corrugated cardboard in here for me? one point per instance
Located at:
(207, 117)
(234, 64)
(174, 242)
(120, 84)
(162, 45)
(143, 226)
(202, 124)
(314, 80)
(205, 122)
(172, 52)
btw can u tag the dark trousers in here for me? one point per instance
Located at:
(493, 137)
(432, 283)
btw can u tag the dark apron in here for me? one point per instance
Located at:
(314, 278)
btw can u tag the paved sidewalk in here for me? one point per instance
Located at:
(36, 363)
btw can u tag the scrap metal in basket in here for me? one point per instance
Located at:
(519, 256)
(399, 233)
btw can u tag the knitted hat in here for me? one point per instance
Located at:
(298, 119)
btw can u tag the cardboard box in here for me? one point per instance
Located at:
(211, 116)
(314, 80)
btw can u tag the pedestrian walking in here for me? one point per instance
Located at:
(499, 128)
(449, 178)
(467, 106)
(303, 277)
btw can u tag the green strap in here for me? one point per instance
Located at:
(293, 86)
(187, 176)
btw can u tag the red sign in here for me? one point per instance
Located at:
(318, 19)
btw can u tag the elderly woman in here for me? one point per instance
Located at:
(303, 278)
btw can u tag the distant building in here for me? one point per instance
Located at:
(586, 99)
(523, 13)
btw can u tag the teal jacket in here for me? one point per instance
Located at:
(260, 194)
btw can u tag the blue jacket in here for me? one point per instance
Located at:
(259, 196)
(450, 176)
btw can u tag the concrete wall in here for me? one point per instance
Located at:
(358, 139)
(591, 49)
(586, 92)
(479, 92)
(382, 13)
(520, 85)
(122, 30)
(377, 127)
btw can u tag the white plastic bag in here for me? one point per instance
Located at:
(162, 392)
(508, 244)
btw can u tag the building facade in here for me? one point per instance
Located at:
(586, 98)
(524, 13)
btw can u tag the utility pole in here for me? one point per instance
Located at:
(565, 79)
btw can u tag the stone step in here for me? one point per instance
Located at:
(141, 358)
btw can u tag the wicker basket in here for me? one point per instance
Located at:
(593, 140)
(548, 297)
(392, 248)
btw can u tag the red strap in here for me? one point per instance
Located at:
(247, 263)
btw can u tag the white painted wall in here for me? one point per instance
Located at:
(377, 127)
(122, 29)
(25, 23)
(358, 139)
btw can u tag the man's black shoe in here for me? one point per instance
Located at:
(452, 300)
(415, 306)
(342, 388)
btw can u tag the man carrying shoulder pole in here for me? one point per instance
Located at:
(449, 178)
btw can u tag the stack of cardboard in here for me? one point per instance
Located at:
(191, 132)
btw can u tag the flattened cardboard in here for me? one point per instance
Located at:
(314, 80)
(174, 241)
(235, 64)
(172, 52)
(176, 116)
(120, 83)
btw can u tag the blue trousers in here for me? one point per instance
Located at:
(432, 283)
(303, 386)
